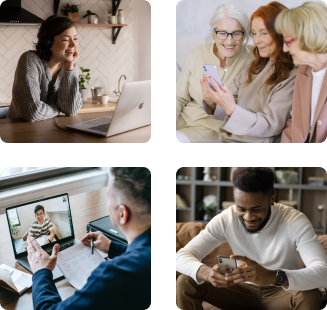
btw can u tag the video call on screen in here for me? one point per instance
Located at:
(55, 218)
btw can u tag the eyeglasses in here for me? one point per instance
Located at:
(288, 42)
(223, 35)
(39, 214)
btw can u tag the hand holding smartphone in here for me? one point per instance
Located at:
(211, 70)
(217, 274)
(225, 261)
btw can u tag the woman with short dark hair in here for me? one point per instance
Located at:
(46, 80)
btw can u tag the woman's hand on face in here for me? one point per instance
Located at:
(69, 65)
(75, 56)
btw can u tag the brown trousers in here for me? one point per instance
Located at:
(190, 296)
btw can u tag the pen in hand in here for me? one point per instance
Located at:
(91, 239)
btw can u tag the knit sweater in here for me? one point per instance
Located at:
(287, 238)
(35, 97)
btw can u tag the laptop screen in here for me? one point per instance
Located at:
(48, 220)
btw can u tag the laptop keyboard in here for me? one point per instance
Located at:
(62, 247)
(102, 128)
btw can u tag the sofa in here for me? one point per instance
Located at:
(185, 232)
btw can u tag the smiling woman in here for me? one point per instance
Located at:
(46, 80)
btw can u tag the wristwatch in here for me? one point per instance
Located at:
(281, 277)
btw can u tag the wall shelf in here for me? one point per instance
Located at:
(308, 197)
(115, 29)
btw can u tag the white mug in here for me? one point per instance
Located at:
(103, 99)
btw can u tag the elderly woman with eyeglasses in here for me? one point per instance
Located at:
(256, 106)
(230, 53)
(304, 29)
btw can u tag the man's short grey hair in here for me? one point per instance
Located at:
(232, 11)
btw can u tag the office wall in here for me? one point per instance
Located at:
(60, 222)
(130, 55)
(193, 16)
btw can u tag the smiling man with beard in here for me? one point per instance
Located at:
(270, 239)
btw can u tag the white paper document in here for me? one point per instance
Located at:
(77, 264)
(21, 279)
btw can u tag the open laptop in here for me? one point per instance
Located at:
(133, 110)
(21, 220)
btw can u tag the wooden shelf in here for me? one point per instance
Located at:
(101, 25)
(308, 197)
(115, 29)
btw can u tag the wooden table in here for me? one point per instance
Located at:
(84, 208)
(93, 106)
(54, 131)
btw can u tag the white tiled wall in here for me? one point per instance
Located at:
(107, 61)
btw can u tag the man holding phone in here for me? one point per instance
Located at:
(270, 239)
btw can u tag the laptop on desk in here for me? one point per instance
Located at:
(22, 220)
(133, 111)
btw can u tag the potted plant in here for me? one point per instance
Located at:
(71, 11)
(290, 176)
(209, 204)
(92, 17)
(111, 18)
(84, 77)
(14, 228)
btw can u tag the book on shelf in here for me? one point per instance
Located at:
(320, 181)
(180, 202)
(14, 280)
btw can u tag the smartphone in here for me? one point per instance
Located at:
(225, 261)
(211, 70)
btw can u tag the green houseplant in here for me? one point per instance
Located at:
(84, 78)
(71, 11)
(111, 18)
(290, 176)
(14, 229)
(92, 17)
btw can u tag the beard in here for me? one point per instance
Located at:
(262, 225)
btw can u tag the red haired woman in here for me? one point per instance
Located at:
(257, 105)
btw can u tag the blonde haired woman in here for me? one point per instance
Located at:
(230, 53)
(304, 29)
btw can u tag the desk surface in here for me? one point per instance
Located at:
(94, 106)
(85, 208)
(53, 131)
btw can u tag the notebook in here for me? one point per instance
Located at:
(14, 280)
(77, 263)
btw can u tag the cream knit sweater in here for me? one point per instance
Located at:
(287, 237)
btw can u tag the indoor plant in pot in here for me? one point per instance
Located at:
(71, 11)
(92, 17)
(84, 77)
(209, 204)
(290, 176)
(111, 18)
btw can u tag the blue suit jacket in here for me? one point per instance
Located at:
(122, 283)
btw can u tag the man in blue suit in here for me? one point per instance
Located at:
(121, 283)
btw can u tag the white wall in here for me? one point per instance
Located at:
(130, 55)
(193, 16)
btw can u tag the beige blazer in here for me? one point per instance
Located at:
(297, 128)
